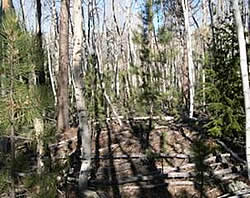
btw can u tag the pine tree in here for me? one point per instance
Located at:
(245, 78)
(19, 104)
(223, 87)
(146, 91)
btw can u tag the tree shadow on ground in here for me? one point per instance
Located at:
(96, 161)
(158, 188)
(141, 130)
(203, 147)
(112, 169)
(184, 194)
(128, 144)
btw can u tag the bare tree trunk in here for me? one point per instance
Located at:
(84, 131)
(23, 12)
(115, 20)
(63, 106)
(7, 5)
(248, 17)
(39, 19)
(13, 157)
(39, 129)
(212, 20)
(184, 77)
(244, 74)
(12, 131)
(190, 58)
(51, 73)
(117, 83)
(106, 97)
(38, 122)
(53, 50)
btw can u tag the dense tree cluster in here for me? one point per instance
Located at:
(72, 65)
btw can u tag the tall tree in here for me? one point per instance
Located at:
(18, 105)
(53, 49)
(185, 8)
(62, 92)
(244, 75)
(7, 6)
(38, 122)
(23, 12)
(39, 18)
(84, 131)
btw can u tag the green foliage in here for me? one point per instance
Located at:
(223, 88)
(46, 183)
(21, 100)
(164, 35)
(150, 72)
(200, 151)
(49, 135)
(4, 176)
(93, 91)
(42, 100)
(147, 17)
(137, 37)
(23, 162)
(3, 181)
(151, 154)
(18, 63)
(171, 102)
(147, 93)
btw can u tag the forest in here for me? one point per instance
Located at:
(124, 98)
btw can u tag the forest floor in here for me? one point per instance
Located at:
(164, 158)
(176, 159)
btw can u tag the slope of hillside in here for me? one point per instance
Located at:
(173, 159)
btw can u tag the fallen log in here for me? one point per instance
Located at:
(143, 186)
(180, 183)
(161, 127)
(62, 143)
(17, 137)
(227, 177)
(155, 155)
(239, 194)
(234, 169)
(147, 186)
(165, 118)
(143, 178)
(224, 174)
(112, 108)
(136, 156)
(234, 155)
(167, 169)
(213, 158)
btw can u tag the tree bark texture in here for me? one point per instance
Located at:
(12, 131)
(53, 51)
(84, 132)
(244, 75)
(23, 12)
(39, 128)
(39, 19)
(62, 92)
(190, 58)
